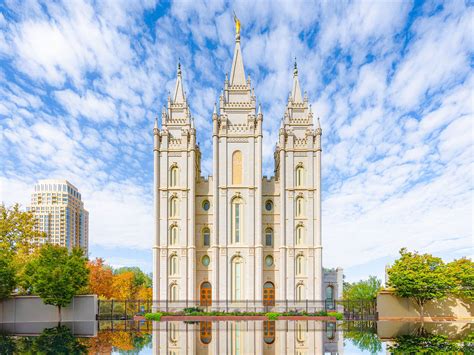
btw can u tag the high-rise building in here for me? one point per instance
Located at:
(238, 235)
(59, 211)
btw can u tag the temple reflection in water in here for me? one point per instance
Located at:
(247, 337)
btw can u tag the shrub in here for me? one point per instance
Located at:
(154, 316)
(272, 315)
(192, 310)
(338, 315)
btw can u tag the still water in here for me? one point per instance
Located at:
(232, 337)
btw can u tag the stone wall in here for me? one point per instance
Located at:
(22, 309)
(391, 307)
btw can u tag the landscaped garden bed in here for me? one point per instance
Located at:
(196, 314)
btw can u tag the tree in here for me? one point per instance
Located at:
(57, 275)
(365, 290)
(124, 286)
(17, 229)
(140, 278)
(462, 273)
(8, 278)
(100, 278)
(420, 277)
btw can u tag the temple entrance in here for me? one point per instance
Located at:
(206, 294)
(268, 294)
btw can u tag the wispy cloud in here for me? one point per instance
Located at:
(392, 83)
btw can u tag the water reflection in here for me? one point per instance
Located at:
(249, 337)
(231, 337)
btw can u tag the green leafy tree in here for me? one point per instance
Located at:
(8, 278)
(420, 277)
(430, 344)
(57, 275)
(59, 340)
(462, 273)
(362, 290)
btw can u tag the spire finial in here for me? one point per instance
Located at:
(179, 66)
(215, 109)
(295, 70)
(156, 122)
(319, 123)
(237, 27)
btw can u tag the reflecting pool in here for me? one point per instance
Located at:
(235, 337)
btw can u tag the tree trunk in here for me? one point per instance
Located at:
(59, 314)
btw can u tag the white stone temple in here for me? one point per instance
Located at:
(238, 236)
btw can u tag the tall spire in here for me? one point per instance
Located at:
(237, 74)
(178, 96)
(296, 90)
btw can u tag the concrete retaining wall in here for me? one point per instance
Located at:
(20, 309)
(391, 307)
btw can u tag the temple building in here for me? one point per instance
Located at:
(237, 235)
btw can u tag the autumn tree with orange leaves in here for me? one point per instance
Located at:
(100, 278)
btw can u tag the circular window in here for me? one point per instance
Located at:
(269, 260)
(206, 205)
(269, 205)
(206, 260)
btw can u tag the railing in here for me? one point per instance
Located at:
(126, 309)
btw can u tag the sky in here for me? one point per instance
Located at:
(392, 82)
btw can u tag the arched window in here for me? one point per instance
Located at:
(269, 332)
(173, 331)
(300, 176)
(174, 207)
(330, 330)
(173, 292)
(237, 279)
(205, 330)
(237, 167)
(206, 237)
(330, 297)
(301, 331)
(237, 214)
(173, 265)
(300, 265)
(268, 237)
(174, 235)
(300, 292)
(174, 176)
(299, 235)
(299, 206)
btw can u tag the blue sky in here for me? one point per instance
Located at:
(81, 82)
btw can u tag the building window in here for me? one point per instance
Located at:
(174, 207)
(173, 332)
(300, 292)
(300, 265)
(237, 280)
(206, 237)
(269, 205)
(269, 332)
(206, 205)
(268, 237)
(206, 260)
(174, 265)
(237, 167)
(174, 176)
(330, 297)
(299, 176)
(236, 220)
(173, 292)
(299, 235)
(299, 206)
(205, 330)
(173, 235)
(330, 330)
(301, 331)
(269, 260)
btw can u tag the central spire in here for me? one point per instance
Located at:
(237, 74)
(178, 95)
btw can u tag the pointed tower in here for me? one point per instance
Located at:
(237, 187)
(298, 170)
(176, 168)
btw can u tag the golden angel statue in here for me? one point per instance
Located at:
(237, 24)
